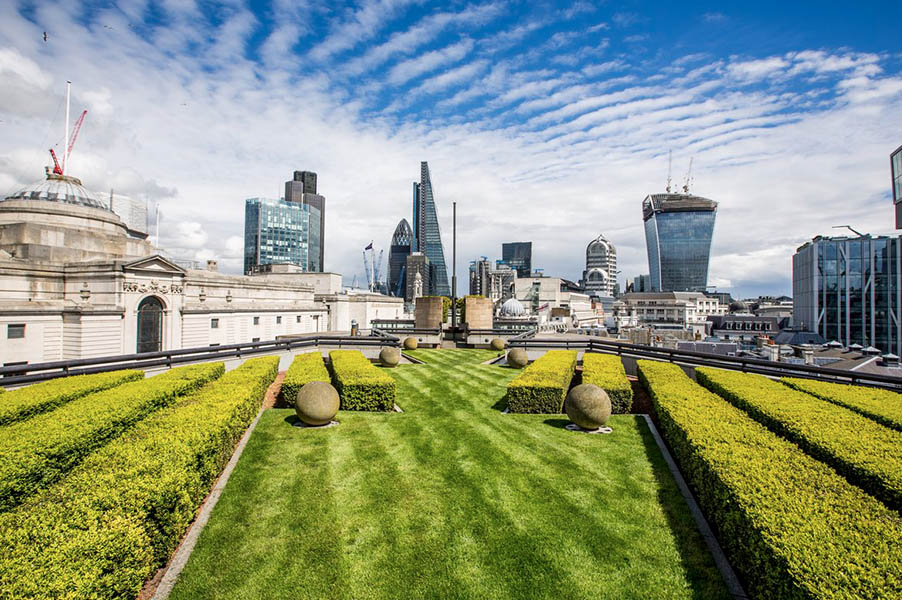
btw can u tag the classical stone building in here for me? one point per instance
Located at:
(75, 282)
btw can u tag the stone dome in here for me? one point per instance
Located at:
(513, 308)
(59, 188)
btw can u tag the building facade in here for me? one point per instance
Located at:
(399, 250)
(678, 232)
(600, 275)
(682, 309)
(419, 273)
(518, 255)
(301, 189)
(848, 290)
(427, 236)
(479, 276)
(277, 232)
(132, 211)
(895, 162)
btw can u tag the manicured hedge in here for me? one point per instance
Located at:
(360, 384)
(606, 371)
(304, 368)
(867, 453)
(883, 406)
(543, 385)
(24, 402)
(103, 529)
(790, 525)
(36, 452)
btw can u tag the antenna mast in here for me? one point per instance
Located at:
(688, 177)
(66, 131)
(669, 166)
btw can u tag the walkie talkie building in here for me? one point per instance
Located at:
(678, 232)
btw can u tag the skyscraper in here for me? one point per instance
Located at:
(678, 231)
(519, 256)
(417, 264)
(427, 237)
(479, 276)
(301, 189)
(397, 259)
(600, 275)
(277, 232)
(895, 161)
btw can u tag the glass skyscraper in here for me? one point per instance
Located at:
(848, 290)
(397, 259)
(518, 255)
(301, 189)
(678, 231)
(427, 237)
(895, 161)
(277, 232)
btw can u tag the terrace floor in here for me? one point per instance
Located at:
(450, 499)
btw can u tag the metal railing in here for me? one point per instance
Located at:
(49, 370)
(704, 359)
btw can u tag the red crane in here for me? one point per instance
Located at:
(56, 165)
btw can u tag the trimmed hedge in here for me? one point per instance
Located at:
(36, 452)
(103, 530)
(791, 526)
(304, 368)
(606, 371)
(360, 384)
(543, 385)
(884, 406)
(21, 403)
(867, 453)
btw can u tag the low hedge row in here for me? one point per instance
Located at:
(360, 384)
(791, 526)
(304, 368)
(102, 530)
(606, 371)
(19, 404)
(867, 453)
(883, 406)
(543, 385)
(38, 451)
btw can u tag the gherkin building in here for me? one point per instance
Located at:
(397, 258)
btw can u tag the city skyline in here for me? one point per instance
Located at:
(518, 110)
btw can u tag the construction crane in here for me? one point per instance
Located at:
(61, 170)
(377, 270)
(688, 177)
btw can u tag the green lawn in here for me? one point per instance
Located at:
(451, 499)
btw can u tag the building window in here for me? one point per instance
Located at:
(256, 320)
(279, 320)
(214, 323)
(299, 318)
(14, 332)
(256, 339)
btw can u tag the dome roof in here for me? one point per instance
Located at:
(59, 188)
(403, 235)
(512, 308)
(599, 245)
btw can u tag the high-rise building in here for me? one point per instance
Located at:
(418, 274)
(277, 232)
(641, 283)
(895, 161)
(678, 231)
(479, 276)
(301, 189)
(519, 256)
(132, 211)
(600, 275)
(397, 259)
(848, 289)
(427, 237)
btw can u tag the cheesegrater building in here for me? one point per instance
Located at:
(678, 232)
(427, 237)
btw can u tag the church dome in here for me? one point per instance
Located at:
(59, 188)
(512, 308)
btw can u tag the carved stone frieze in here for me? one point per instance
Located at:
(153, 286)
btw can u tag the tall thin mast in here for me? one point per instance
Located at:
(66, 131)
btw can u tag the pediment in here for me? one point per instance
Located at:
(154, 264)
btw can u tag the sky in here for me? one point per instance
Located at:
(548, 122)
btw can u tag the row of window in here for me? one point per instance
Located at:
(214, 322)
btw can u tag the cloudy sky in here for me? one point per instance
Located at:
(545, 122)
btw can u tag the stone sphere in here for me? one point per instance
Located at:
(390, 357)
(410, 343)
(317, 403)
(517, 358)
(588, 406)
(497, 344)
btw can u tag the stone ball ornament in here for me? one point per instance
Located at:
(410, 343)
(317, 403)
(589, 407)
(517, 358)
(497, 344)
(390, 357)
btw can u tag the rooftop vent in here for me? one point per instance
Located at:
(889, 360)
(856, 347)
(834, 344)
(870, 351)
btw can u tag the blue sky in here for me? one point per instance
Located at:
(547, 122)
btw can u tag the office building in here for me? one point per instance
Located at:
(895, 161)
(398, 252)
(277, 232)
(427, 237)
(301, 189)
(600, 275)
(418, 276)
(847, 289)
(479, 276)
(678, 231)
(519, 256)
(132, 211)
